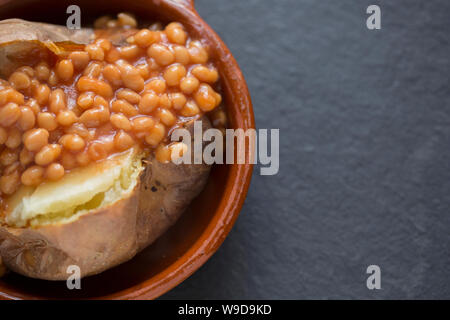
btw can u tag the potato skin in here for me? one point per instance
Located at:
(104, 238)
(24, 42)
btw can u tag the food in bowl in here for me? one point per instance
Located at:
(85, 123)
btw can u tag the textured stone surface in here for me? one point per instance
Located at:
(365, 161)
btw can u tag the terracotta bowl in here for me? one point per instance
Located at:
(206, 223)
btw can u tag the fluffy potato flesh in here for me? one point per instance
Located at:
(81, 190)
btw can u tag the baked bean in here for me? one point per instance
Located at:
(190, 109)
(80, 59)
(130, 52)
(64, 69)
(54, 172)
(112, 75)
(181, 55)
(156, 26)
(3, 135)
(68, 160)
(97, 151)
(121, 122)
(123, 141)
(101, 22)
(142, 123)
(35, 139)
(197, 52)
(112, 24)
(79, 129)
(9, 114)
(145, 38)
(95, 52)
(47, 120)
(12, 168)
(205, 98)
(175, 33)
(148, 103)
(167, 117)
(105, 44)
(26, 157)
(53, 78)
(126, 19)
(162, 55)
(95, 117)
(85, 100)
(83, 158)
(152, 65)
(144, 70)
(162, 154)
(130, 76)
(165, 102)
(93, 70)
(27, 70)
(8, 157)
(42, 94)
(174, 74)
(218, 98)
(27, 118)
(156, 85)
(33, 105)
(66, 118)
(34, 85)
(14, 138)
(122, 106)
(92, 134)
(16, 97)
(99, 87)
(108, 143)
(178, 100)
(10, 183)
(189, 84)
(112, 56)
(57, 101)
(155, 135)
(32, 176)
(48, 154)
(72, 142)
(19, 80)
(42, 71)
(100, 102)
(129, 95)
(11, 95)
(204, 74)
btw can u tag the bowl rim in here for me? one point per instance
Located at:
(238, 180)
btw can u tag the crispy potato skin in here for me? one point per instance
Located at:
(24, 42)
(104, 238)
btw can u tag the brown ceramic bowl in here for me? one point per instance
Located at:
(206, 223)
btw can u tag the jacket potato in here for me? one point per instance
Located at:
(97, 216)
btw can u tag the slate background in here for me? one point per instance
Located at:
(364, 120)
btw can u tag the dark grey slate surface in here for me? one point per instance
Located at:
(365, 151)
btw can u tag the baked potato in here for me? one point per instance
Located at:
(97, 216)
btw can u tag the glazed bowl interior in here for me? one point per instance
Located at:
(205, 224)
